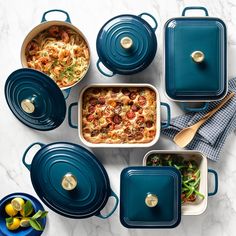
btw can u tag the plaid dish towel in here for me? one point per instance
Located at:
(212, 135)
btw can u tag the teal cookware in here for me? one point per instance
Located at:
(35, 99)
(150, 197)
(126, 44)
(45, 24)
(70, 180)
(29, 231)
(195, 58)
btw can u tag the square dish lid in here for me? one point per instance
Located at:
(195, 57)
(150, 197)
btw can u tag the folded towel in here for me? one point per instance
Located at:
(212, 135)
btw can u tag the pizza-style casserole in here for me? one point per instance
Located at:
(115, 115)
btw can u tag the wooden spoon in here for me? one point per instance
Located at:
(185, 136)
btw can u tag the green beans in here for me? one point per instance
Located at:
(189, 170)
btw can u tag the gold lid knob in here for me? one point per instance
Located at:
(126, 42)
(151, 200)
(198, 56)
(28, 106)
(69, 182)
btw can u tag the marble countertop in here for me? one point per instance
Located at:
(17, 18)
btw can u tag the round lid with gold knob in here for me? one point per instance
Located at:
(127, 44)
(35, 99)
(150, 197)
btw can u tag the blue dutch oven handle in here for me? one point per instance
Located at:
(195, 109)
(167, 123)
(216, 182)
(56, 10)
(70, 115)
(152, 17)
(66, 93)
(101, 71)
(28, 166)
(114, 208)
(195, 8)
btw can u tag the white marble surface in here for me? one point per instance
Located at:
(17, 18)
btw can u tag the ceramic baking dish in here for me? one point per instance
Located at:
(122, 85)
(199, 206)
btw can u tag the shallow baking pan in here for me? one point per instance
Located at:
(199, 205)
(158, 123)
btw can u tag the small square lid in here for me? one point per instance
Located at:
(150, 197)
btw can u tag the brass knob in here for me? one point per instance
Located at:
(151, 200)
(198, 56)
(69, 182)
(126, 42)
(28, 106)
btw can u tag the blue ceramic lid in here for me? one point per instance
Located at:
(70, 180)
(35, 99)
(195, 58)
(29, 231)
(127, 44)
(150, 197)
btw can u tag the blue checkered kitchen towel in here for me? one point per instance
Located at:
(212, 135)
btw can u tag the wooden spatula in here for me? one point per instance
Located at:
(185, 136)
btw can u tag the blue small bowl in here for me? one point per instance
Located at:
(21, 231)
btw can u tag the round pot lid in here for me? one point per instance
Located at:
(35, 99)
(126, 44)
(150, 197)
(69, 179)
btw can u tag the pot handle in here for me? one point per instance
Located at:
(167, 123)
(152, 17)
(101, 71)
(70, 115)
(114, 208)
(195, 8)
(56, 10)
(195, 109)
(216, 182)
(66, 93)
(28, 166)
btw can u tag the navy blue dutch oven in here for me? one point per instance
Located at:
(22, 231)
(70, 180)
(195, 53)
(126, 44)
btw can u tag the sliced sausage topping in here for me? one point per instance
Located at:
(125, 91)
(116, 90)
(101, 100)
(140, 120)
(91, 109)
(133, 95)
(130, 114)
(149, 123)
(93, 101)
(94, 133)
(135, 108)
(90, 117)
(117, 119)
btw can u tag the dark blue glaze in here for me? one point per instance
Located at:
(122, 61)
(136, 183)
(50, 106)
(52, 162)
(22, 231)
(185, 79)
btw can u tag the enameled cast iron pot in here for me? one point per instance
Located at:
(159, 125)
(195, 59)
(200, 205)
(22, 231)
(126, 44)
(70, 180)
(44, 25)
